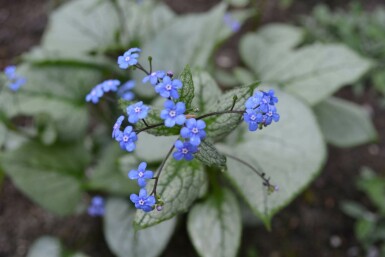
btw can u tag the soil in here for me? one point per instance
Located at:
(312, 225)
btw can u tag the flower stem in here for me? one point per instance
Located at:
(262, 175)
(140, 67)
(198, 118)
(160, 170)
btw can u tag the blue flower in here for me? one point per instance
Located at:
(137, 112)
(141, 174)
(14, 81)
(16, 84)
(126, 139)
(10, 72)
(267, 100)
(194, 130)
(169, 87)
(184, 150)
(116, 126)
(252, 118)
(254, 101)
(154, 77)
(96, 207)
(143, 201)
(124, 90)
(129, 58)
(95, 94)
(261, 110)
(232, 23)
(174, 113)
(110, 85)
(270, 116)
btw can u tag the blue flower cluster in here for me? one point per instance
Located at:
(111, 85)
(142, 201)
(14, 81)
(192, 131)
(96, 207)
(261, 110)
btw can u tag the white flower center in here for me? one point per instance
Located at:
(172, 113)
(195, 130)
(125, 138)
(141, 202)
(140, 174)
(184, 150)
(127, 58)
(137, 109)
(168, 87)
(253, 117)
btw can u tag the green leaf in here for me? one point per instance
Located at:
(49, 175)
(45, 246)
(54, 91)
(151, 148)
(180, 184)
(264, 49)
(313, 72)
(153, 118)
(186, 93)
(107, 177)
(344, 123)
(215, 226)
(82, 30)
(291, 152)
(243, 75)
(206, 90)
(219, 126)
(210, 156)
(374, 187)
(354, 210)
(173, 47)
(124, 240)
(81, 27)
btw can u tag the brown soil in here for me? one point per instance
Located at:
(310, 226)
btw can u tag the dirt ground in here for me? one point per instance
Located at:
(313, 225)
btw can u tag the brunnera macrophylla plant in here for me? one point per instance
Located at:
(257, 110)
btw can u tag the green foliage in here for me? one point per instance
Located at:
(220, 213)
(206, 90)
(126, 241)
(50, 175)
(370, 225)
(57, 92)
(363, 31)
(210, 156)
(312, 72)
(343, 123)
(47, 246)
(219, 126)
(186, 93)
(179, 186)
(106, 175)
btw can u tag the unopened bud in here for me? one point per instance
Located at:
(170, 74)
